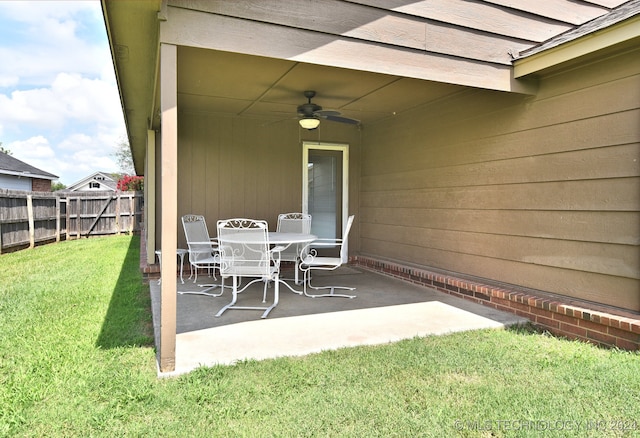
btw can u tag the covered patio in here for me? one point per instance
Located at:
(496, 141)
(385, 310)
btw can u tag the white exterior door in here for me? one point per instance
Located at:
(325, 187)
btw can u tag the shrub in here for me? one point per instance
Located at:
(129, 183)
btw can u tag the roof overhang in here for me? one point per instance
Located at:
(621, 35)
(132, 29)
(28, 175)
(435, 56)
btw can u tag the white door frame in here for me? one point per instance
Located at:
(344, 148)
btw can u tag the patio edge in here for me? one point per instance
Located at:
(567, 318)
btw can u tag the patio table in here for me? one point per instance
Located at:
(276, 238)
(180, 252)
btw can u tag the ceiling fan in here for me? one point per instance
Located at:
(311, 113)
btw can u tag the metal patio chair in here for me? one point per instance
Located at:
(312, 261)
(293, 223)
(245, 252)
(203, 251)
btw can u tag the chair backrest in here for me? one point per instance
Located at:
(244, 247)
(344, 256)
(197, 235)
(294, 223)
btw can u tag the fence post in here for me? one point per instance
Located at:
(32, 231)
(57, 219)
(68, 218)
(78, 218)
(132, 212)
(118, 208)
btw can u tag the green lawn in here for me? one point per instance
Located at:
(76, 360)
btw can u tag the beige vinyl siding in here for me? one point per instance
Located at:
(240, 167)
(543, 191)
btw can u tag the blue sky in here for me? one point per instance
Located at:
(59, 104)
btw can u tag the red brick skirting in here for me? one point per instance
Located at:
(148, 271)
(560, 317)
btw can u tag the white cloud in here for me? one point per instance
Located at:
(35, 151)
(35, 148)
(87, 99)
(83, 162)
(46, 39)
(59, 103)
(76, 142)
(36, 106)
(37, 12)
(75, 157)
(70, 99)
(8, 80)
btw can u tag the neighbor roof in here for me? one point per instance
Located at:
(107, 179)
(12, 166)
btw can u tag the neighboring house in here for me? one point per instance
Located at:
(98, 181)
(18, 175)
(498, 142)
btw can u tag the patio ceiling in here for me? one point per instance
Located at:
(256, 58)
(244, 85)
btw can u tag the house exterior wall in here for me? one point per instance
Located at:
(541, 192)
(92, 186)
(41, 185)
(240, 167)
(15, 182)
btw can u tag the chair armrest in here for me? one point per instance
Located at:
(325, 242)
(321, 242)
(201, 245)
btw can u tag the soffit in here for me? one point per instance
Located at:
(261, 68)
(132, 28)
(244, 85)
(266, 53)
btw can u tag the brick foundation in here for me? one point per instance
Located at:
(560, 316)
(148, 271)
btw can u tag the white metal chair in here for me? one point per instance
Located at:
(245, 252)
(203, 251)
(293, 223)
(312, 261)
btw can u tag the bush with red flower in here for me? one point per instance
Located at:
(128, 183)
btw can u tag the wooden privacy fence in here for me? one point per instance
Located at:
(31, 218)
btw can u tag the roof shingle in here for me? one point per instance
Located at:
(12, 166)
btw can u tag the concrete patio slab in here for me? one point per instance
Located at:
(385, 310)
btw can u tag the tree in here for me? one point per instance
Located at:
(128, 179)
(57, 186)
(5, 150)
(124, 158)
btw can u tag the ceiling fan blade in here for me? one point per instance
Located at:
(341, 119)
(312, 110)
(327, 112)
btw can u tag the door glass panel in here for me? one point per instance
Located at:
(324, 200)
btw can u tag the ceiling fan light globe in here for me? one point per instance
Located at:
(309, 122)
